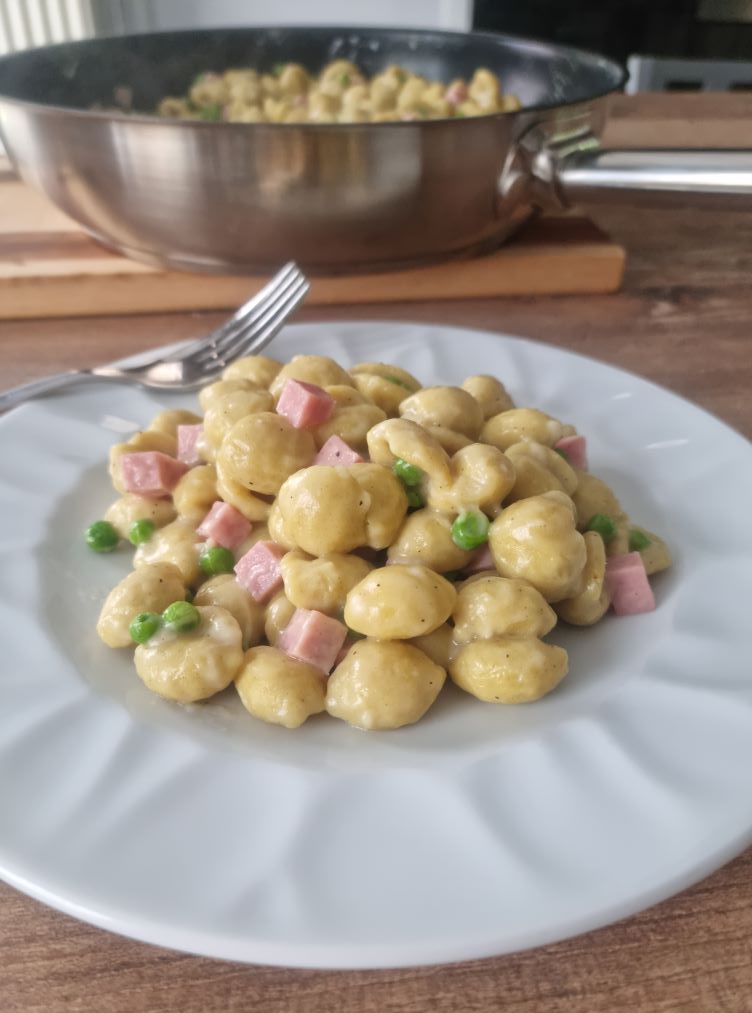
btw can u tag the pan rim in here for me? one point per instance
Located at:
(542, 47)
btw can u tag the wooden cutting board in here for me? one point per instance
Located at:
(49, 267)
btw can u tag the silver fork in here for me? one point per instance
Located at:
(249, 330)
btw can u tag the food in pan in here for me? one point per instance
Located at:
(340, 93)
(341, 540)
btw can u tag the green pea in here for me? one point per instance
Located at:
(638, 540)
(561, 453)
(407, 473)
(278, 69)
(344, 80)
(604, 525)
(470, 529)
(102, 537)
(181, 616)
(399, 383)
(453, 575)
(415, 499)
(141, 531)
(144, 626)
(216, 560)
(212, 113)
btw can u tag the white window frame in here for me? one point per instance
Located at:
(27, 23)
(126, 16)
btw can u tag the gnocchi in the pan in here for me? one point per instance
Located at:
(340, 93)
(340, 541)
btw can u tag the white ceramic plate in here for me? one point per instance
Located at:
(480, 830)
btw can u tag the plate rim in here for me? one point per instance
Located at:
(367, 956)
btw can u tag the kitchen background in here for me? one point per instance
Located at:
(682, 45)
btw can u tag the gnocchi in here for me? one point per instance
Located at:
(322, 582)
(352, 538)
(383, 684)
(508, 669)
(195, 492)
(494, 606)
(351, 422)
(490, 393)
(223, 591)
(176, 543)
(591, 599)
(318, 369)
(280, 689)
(326, 509)
(152, 587)
(227, 409)
(386, 386)
(536, 540)
(340, 93)
(399, 602)
(192, 666)
(426, 538)
(448, 407)
(169, 420)
(130, 508)
(257, 369)
(515, 424)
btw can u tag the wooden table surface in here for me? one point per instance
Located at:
(683, 319)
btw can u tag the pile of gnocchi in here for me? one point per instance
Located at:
(340, 93)
(343, 540)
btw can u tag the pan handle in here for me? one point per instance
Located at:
(661, 177)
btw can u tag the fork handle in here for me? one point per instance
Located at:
(10, 398)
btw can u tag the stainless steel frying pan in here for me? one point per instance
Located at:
(223, 197)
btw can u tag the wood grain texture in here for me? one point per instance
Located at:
(683, 319)
(49, 271)
(664, 959)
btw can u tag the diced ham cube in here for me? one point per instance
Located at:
(624, 561)
(482, 560)
(224, 525)
(259, 572)
(575, 449)
(188, 437)
(628, 584)
(336, 451)
(313, 637)
(304, 404)
(456, 93)
(151, 473)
